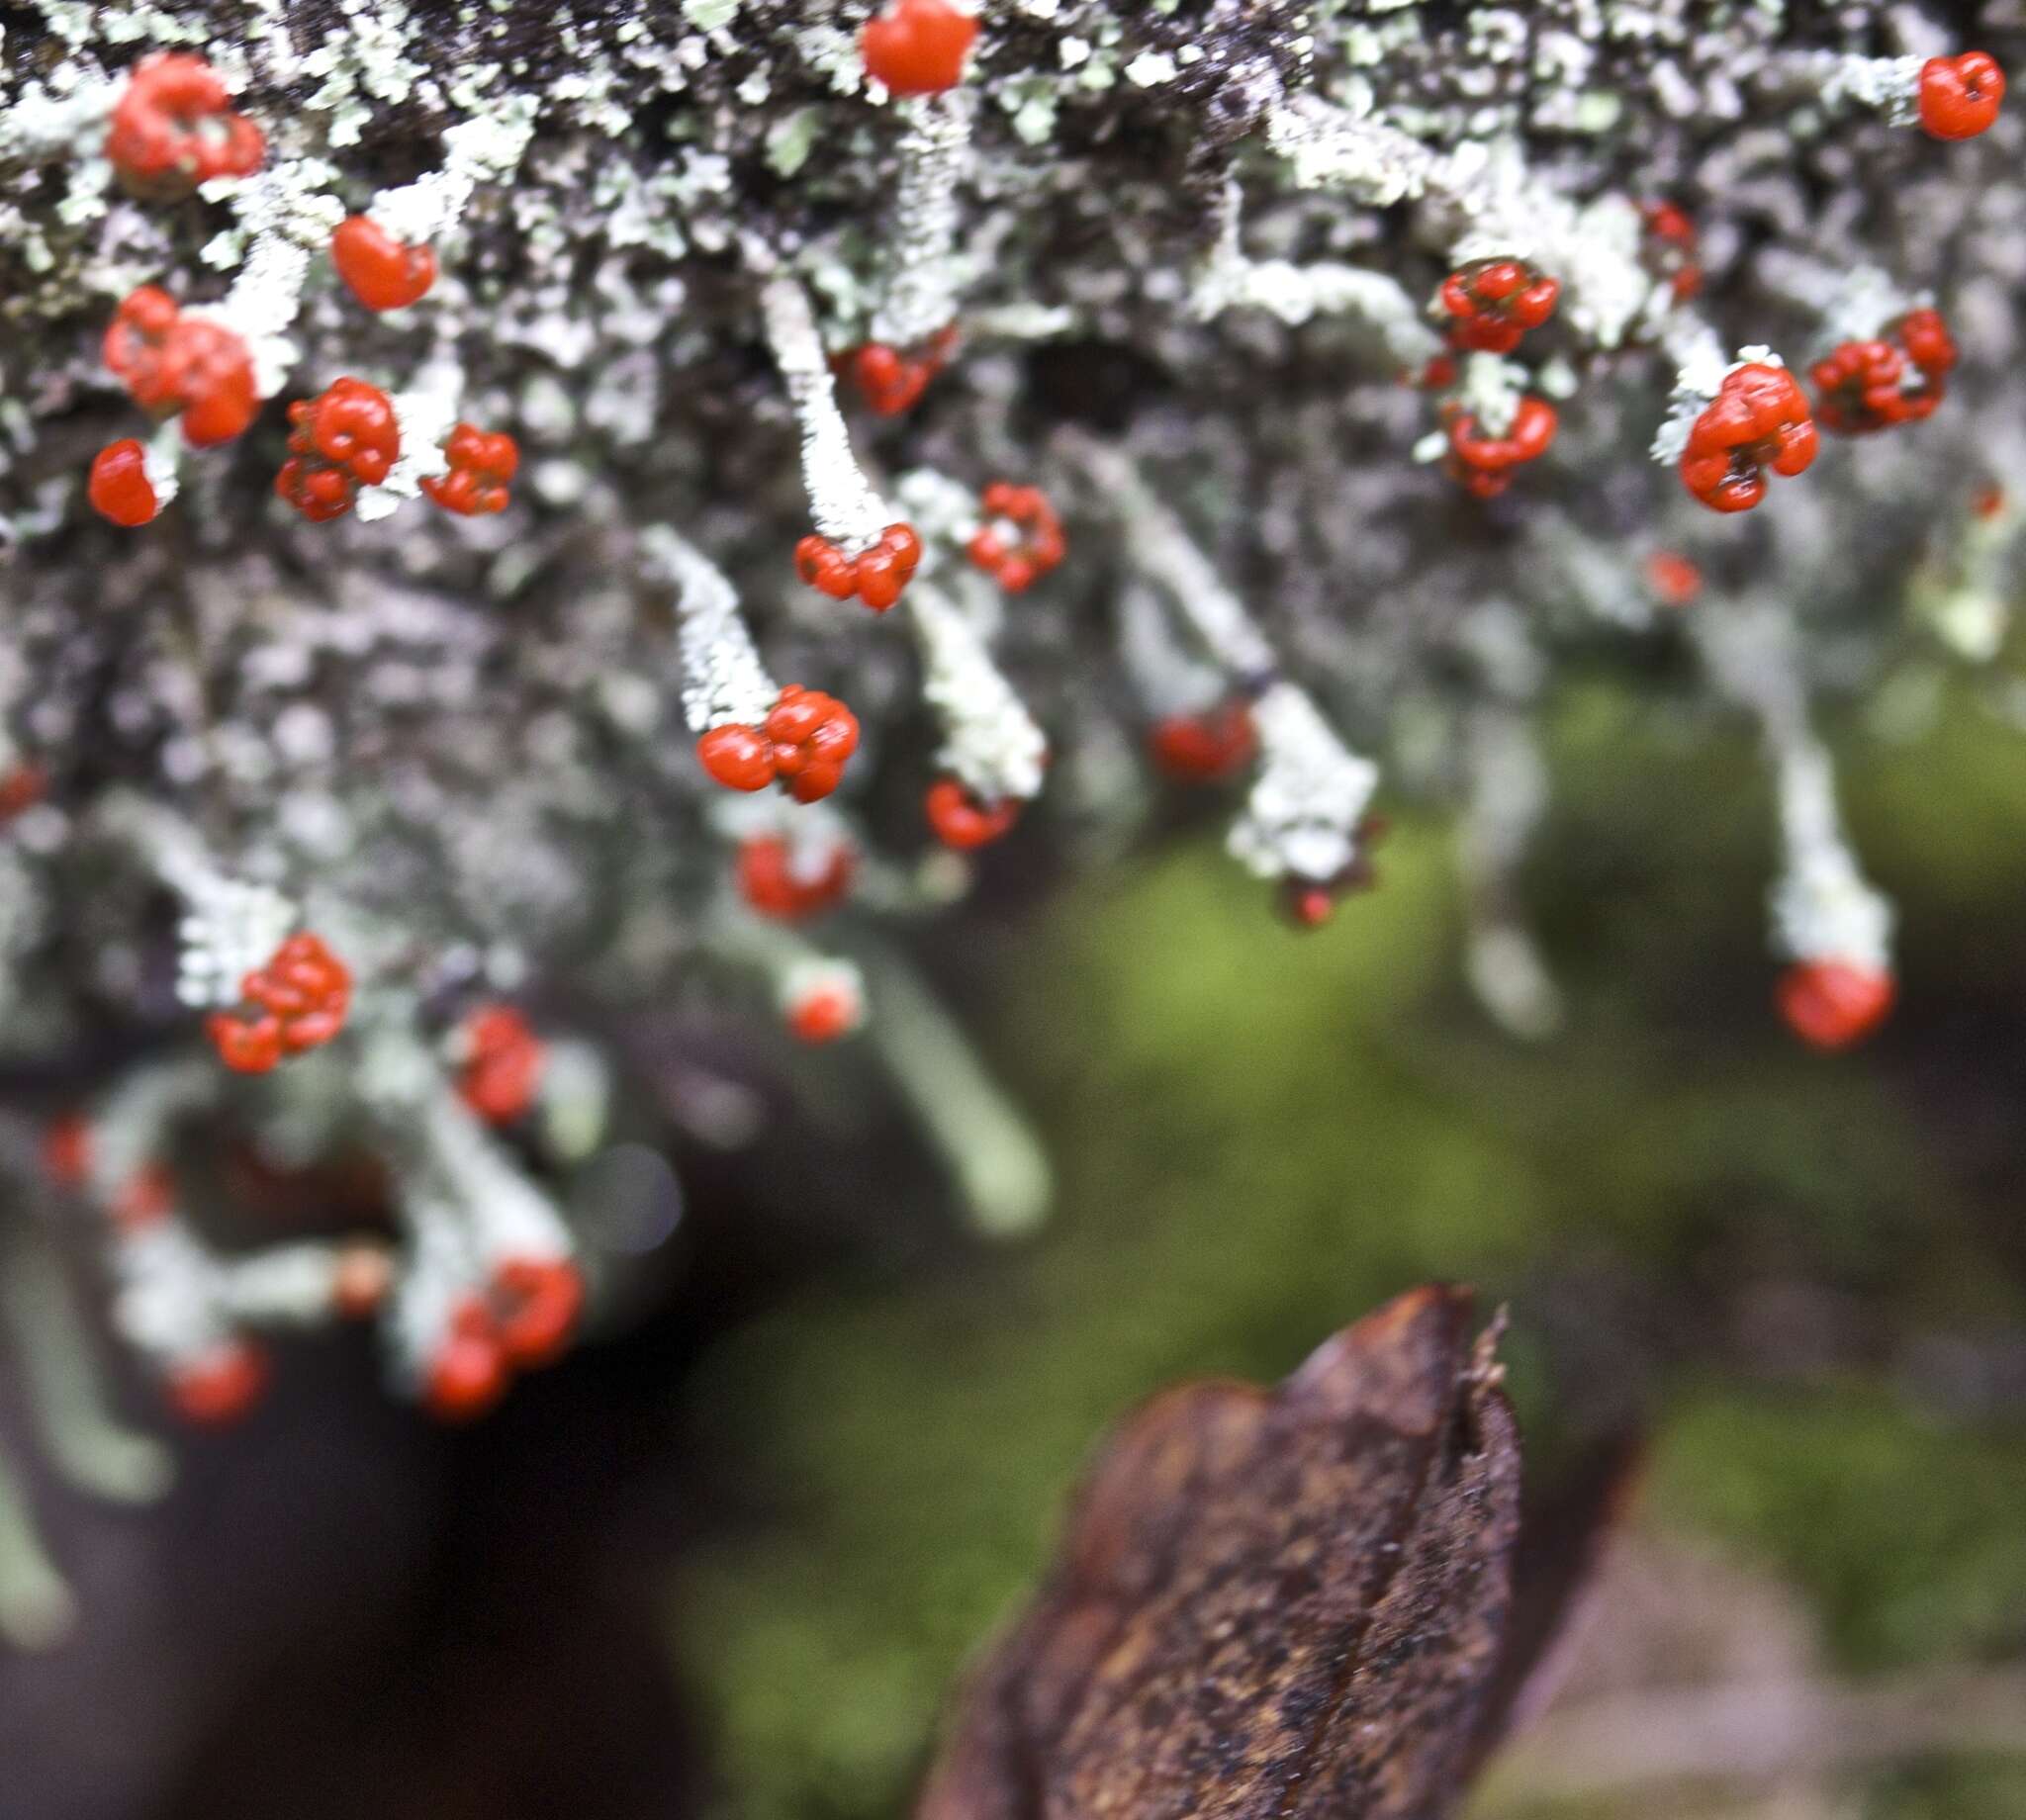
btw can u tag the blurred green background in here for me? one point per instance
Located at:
(1805, 1275)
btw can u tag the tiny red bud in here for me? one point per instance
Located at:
(917, 46)
(892, 380)
(737, 757)
(962, 821)
(174, 128)
(1675, 580)
(504, 1064)
(383, 273)
(468, 1373)
(119, 487)
(1205, 748)
(773, 886)
(536, 1303)
(1832, 1004)
(221, 1385)
(824, 1014)
(1959, 96)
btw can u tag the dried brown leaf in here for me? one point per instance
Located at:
(1269, 1602)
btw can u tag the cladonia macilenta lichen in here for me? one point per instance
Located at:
(456, 464)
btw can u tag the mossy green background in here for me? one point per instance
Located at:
(1260, 1135)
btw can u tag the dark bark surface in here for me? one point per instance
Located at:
(1278, 1602)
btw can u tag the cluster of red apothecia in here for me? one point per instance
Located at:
(911, 48)
(182, 366)
(1199, 748)
(483, 465)
(786, 886)
(224, 1382)
(877, 574)
(803, 744)
(892, 380)
(501, 1063)
(808, 735)
(383, 273)
(963, 821)
(1021, 539)
(172, 128)
(345, 438)
(521, 1320)
(1492, 303)
(299, 999)
(1482, 464)
(1760, 421)
(1898, 378)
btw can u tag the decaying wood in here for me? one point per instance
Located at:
(1285, 1602)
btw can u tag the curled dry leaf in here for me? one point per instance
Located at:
(1269, 1603)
